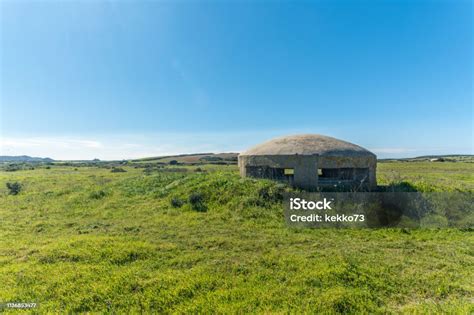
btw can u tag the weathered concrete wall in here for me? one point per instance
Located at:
(306, 166)
(305, 170)
(369, 162)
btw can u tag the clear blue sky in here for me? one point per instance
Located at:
(119, 79)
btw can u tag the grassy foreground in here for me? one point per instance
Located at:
(87, 239)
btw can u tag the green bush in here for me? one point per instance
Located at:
(98, 194)
(196, 199)
(176, 202)
(12, 168)
(14, 188)
(271, 194)
(117, 170)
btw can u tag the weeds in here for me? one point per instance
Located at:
(14, 188)
(117, 170)
(97, 194)
(196, 200)
(176, 202)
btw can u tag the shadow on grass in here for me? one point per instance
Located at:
(394, 202)
(397, 187)
(386, 205)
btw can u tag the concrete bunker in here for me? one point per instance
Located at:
(311, 162)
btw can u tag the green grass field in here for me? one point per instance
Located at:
(86, 239)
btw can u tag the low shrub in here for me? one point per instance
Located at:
(271, 194)
(176, 202)
(14, 188)
(117, 170)
(174, 170)
(196, 199)
(12, 168)
(97, 194)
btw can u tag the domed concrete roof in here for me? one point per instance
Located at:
(308, 144)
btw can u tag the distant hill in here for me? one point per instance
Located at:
(23, 158)
(437, 158)
(231, 158)
(196, 158)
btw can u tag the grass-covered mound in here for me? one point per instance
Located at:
(89, 239)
